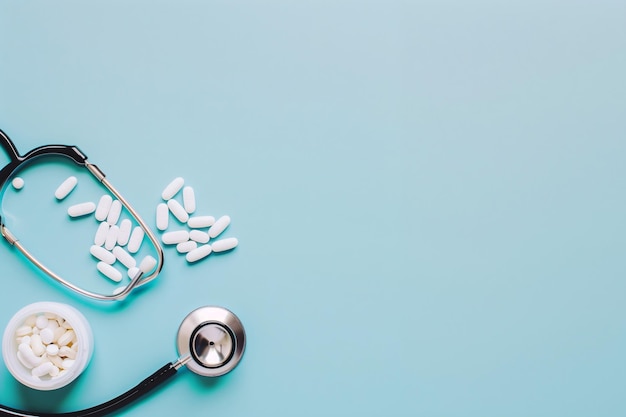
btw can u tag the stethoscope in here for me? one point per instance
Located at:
(210, 342)
(18, 161)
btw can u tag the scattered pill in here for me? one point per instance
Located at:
(224, 244)
(65, 188)
(103, 208)
(178, 211)
(187, 246)
(102, 254)
(132, 272)
(199, 253)
(109, 271)
(174, 238)
(101, 234)
(81, 209)
(162, 216)
(119, 290)
(114, 212)
(124, 257)
(199, 236)
(189, 199)
(18, 183)
(172, 188)
(199, 222)
(147, 264)
(124, 233)
(219, 226)
(136, 239)
(111, 239)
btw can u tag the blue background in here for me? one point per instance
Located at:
(429, 197)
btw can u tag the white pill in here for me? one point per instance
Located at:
(198, 236)
(52, 324)
(110, 272)
(104, 205)
(172, 188)
(67, 352)
(36, 345)
(199, 253)
(124, 234)
(219, 226)
(189, 199)
(57, 360)
(176, 237)
(111, 239)
(23, 360)
(41, 322)
(162, 216)
(178, 211)
(131, 274)
(81, 209)
(58, 333)
(23, 331)
(68, 363)
(18, 183)
(65, 188)
(47, 336)
(101, 234)
(30, 320)
(147, 264)
(114, 212)
(224, 244)
(52, 349)
(102, 254)
(124, 257)
(54, 371)
(44, 369)
(67, 337)
(198, 222)
(28, 355)
(136, 239)
(187, 246)
(119, 290)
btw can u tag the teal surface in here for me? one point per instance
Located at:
(429, 197)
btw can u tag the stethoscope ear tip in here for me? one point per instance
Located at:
(213, 338)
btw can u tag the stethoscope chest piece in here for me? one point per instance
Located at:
(213, 338)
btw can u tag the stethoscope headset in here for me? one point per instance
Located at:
(211, 340)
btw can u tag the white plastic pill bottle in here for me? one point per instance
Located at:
(70, 318)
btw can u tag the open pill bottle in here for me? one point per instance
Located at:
(47, 345)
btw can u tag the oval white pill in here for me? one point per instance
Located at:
(52, 349)
(81, 209)
(198, 236)
(37, 345)
(102, 254)
(124, 257)
(65, 188)
(186, 246)
(162, 216)
(104, 205)
(219, 226)
(44, 369)
(23, 331)
(109, 271)
(41, 322)
(28, 355)
(189, 199)
(198, 222)
(147, 264)
(68, 336)
(178, 211)
(176, 237)
(66, 352)
(124, 234)
(111, 239)
(114, 212)
(101, 234)
(18, 183)
(47, 335)
(172, 188)
(136, 239)
(199, 253)
(224, 244)
(131, 273)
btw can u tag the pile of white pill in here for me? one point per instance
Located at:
(112, 242)
(47, 345)
(194, 240)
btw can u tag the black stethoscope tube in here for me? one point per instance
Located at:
(145, 386)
